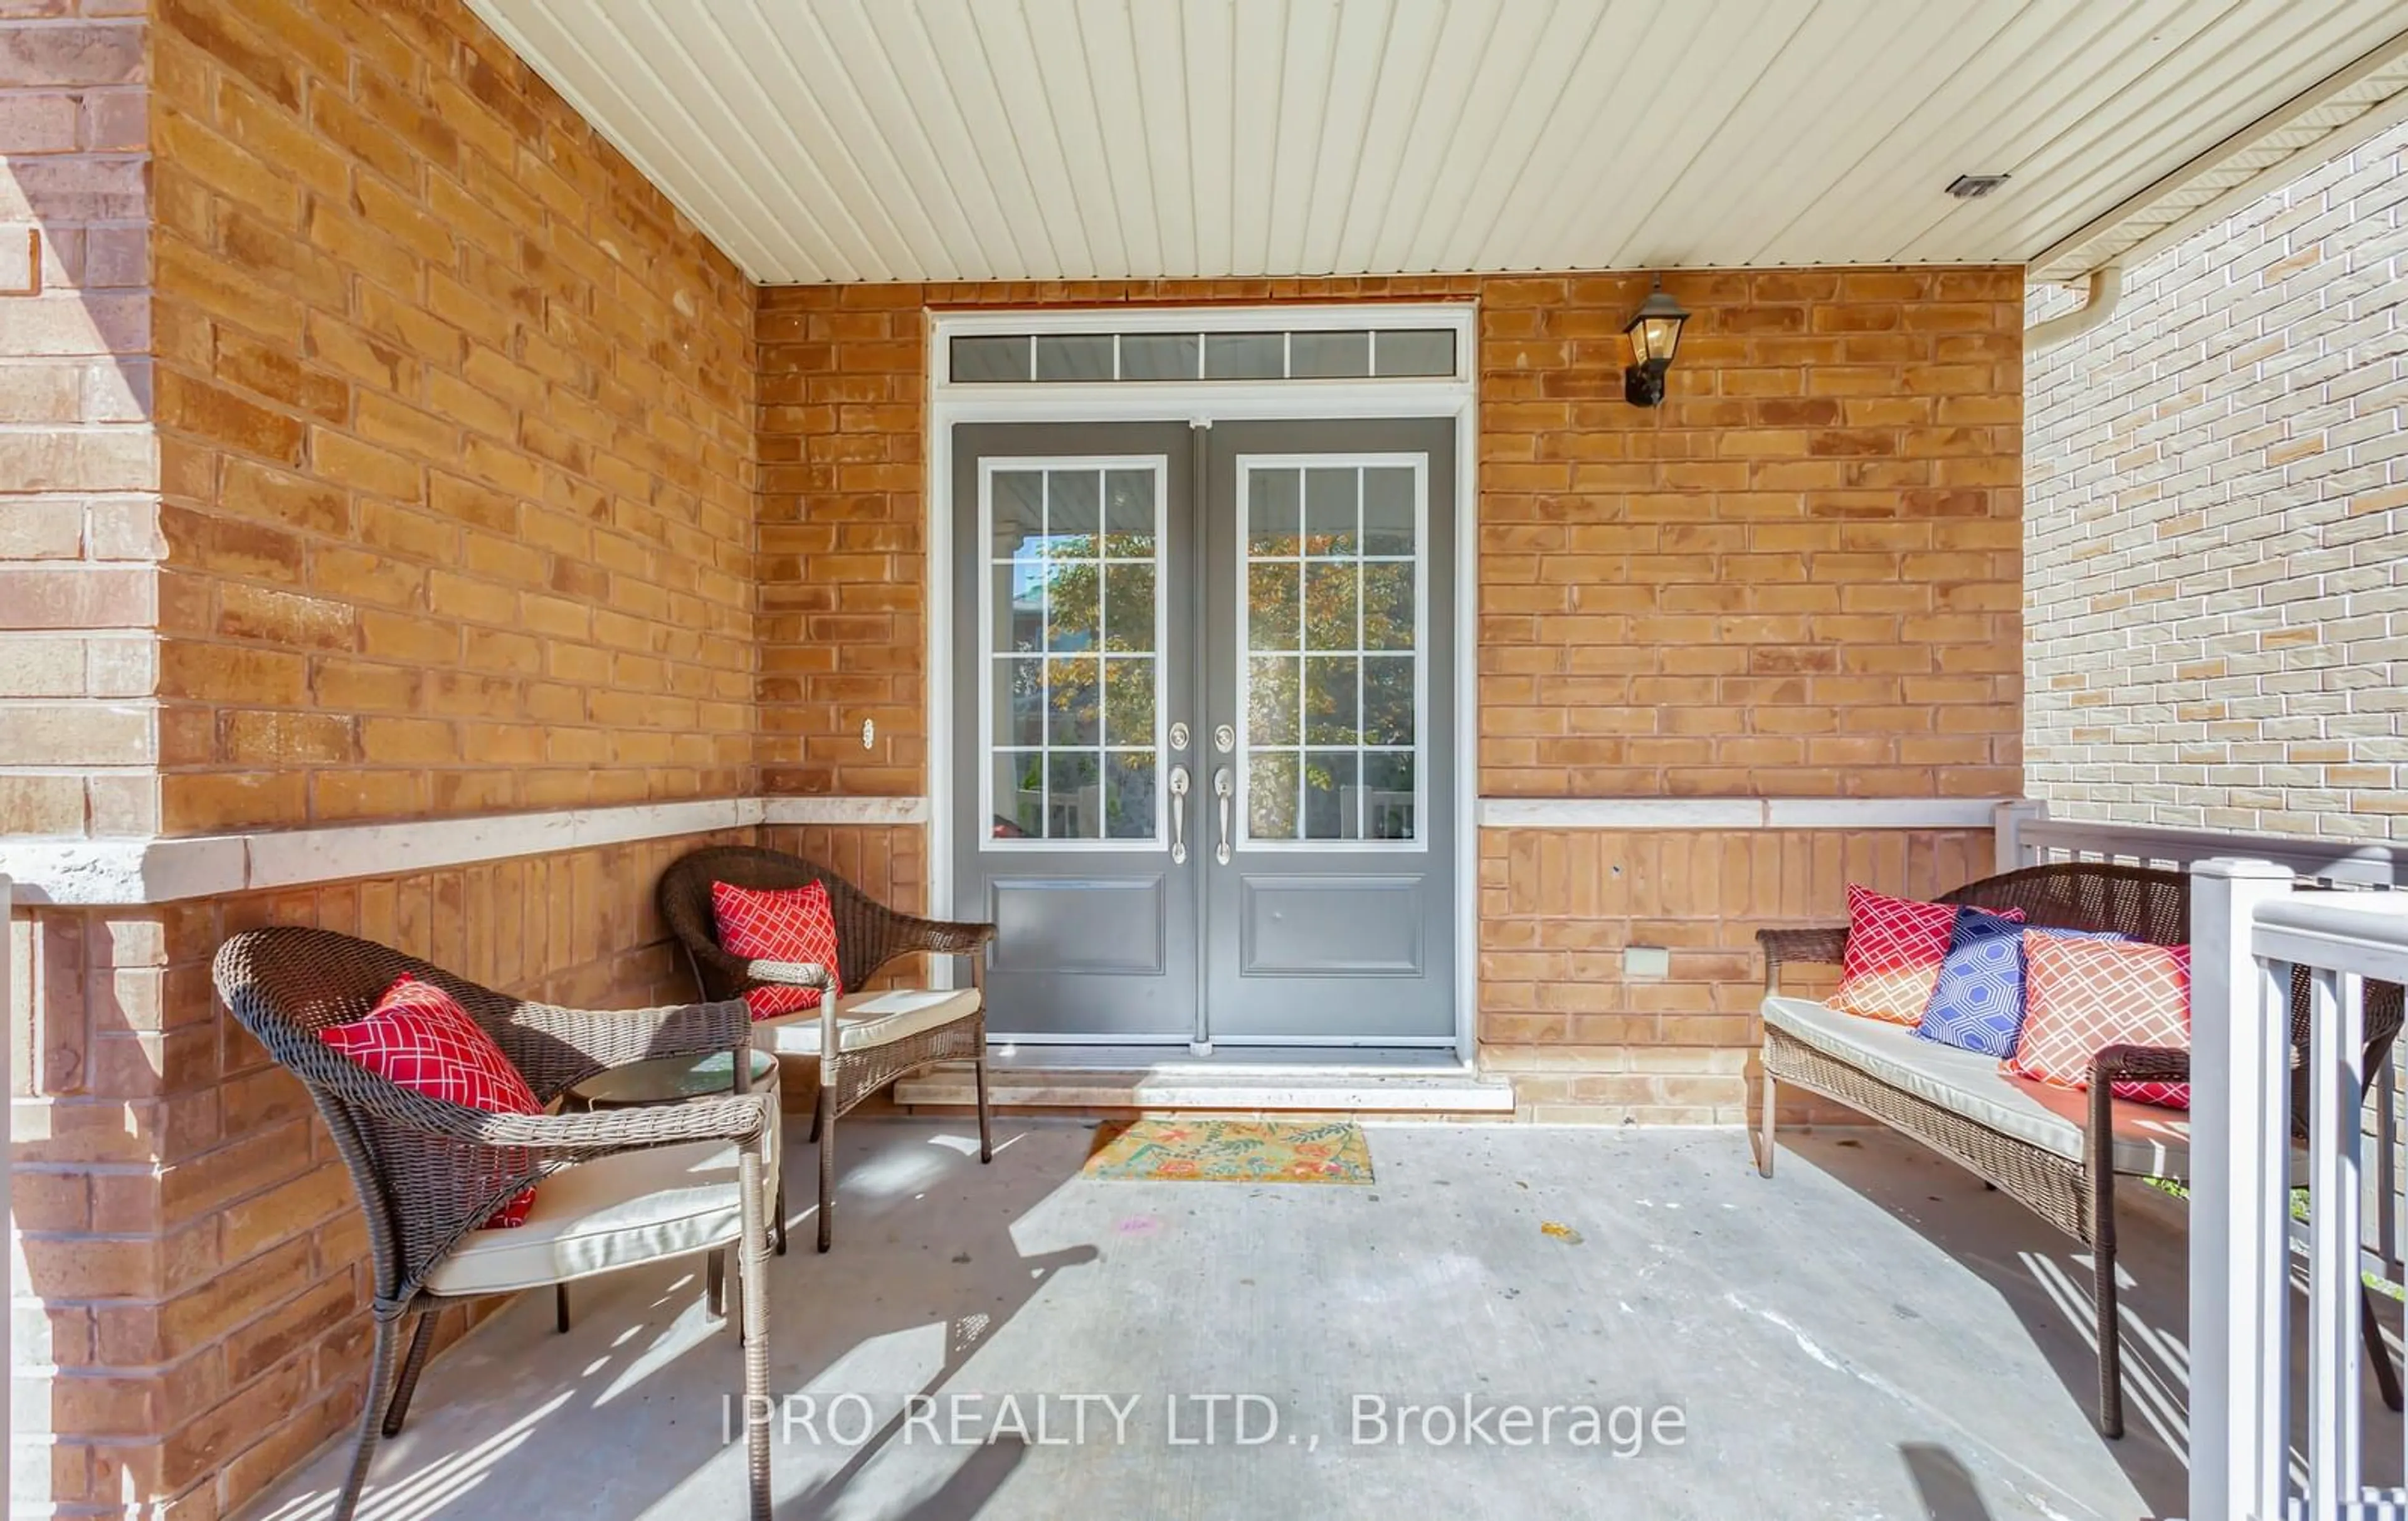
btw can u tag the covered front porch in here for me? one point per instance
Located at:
(1870, 1333)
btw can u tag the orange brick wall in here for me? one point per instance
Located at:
(1800, 577)
(191, 1234)
(79, 479)
(456, 424)
(1558, 908)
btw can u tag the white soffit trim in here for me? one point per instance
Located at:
(2369, 97)
(1738, 813)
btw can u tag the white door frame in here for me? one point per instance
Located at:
(1206, 402)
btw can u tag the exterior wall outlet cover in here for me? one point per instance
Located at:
(1646, 961)
(869, 734)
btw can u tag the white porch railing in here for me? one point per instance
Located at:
(2250, 925)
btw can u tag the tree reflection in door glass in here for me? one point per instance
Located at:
(1332, 800)
(1271, 795)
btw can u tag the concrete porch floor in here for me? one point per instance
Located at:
(1868, 1335)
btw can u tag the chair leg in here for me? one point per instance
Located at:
(827, 1175)
(819, 1110)
(371, 1419)
(753, 1288)
(2387, 1377)
(1764, 1128)
(779, 1224)
(2111, 1341)
(986, 1125)
(560, 1308)
(714, 1285)
(421, 1343)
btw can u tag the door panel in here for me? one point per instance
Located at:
(1329, 651)
(1071, 658)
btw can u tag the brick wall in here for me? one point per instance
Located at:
(1799, 577)
(456, 419)
(194, 1276)
(2218, 532)
(1557, 910)
(79, 474)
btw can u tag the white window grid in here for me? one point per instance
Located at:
(1248, 468)
(1372, 336)
(1048, 467)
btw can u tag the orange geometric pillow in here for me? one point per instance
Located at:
(778, 924)
(2084, 996)
(1896, 947)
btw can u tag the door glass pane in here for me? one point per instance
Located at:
(1387, 796)
(1329, 622)
(1274, 691)
(1329, 504)
(1019, 507)
(1270, 795)
(1388, 604)
(1274, 511)
(1128, 605)
(1019, 794)
(1330, 572)
(1128, 514)
(1128, 795)
(1332, 800)
(1071, 636)
(1330, 698)
(1073, 514)
(1388, 511)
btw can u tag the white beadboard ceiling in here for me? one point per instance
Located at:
(838, 140)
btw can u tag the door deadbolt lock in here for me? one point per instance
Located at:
(1179, 737)
(1225, 739)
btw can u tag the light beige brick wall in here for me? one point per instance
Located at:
(78, 473)
(457, 429)
(2217, 538)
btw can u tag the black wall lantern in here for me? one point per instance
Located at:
(1655, 332)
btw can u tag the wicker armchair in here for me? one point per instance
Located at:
(429, 1173)
(2076, 1196)
(875, 1037)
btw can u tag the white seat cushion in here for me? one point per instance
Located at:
(615, 1212)
(2149, 1142)
(865, 1020)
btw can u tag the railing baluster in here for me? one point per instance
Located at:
(2335, 1103)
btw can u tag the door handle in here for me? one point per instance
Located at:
(1179, 815)
(1225, 790)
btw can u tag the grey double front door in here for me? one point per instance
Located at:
(1204, 708)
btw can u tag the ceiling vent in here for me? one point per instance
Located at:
(1972, 187)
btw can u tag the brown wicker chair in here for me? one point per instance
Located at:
(429, 1173)
(859, 1052)
(2076, 1196)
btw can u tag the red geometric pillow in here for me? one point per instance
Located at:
(418, 1036)
(778, 924)
(1896, 947)
(2084, 996)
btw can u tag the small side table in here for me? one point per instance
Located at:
(675, 1079)
(668, 1080)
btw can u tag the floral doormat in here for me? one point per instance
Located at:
(1232, 1151)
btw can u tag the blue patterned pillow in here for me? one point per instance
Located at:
(1979, 1003)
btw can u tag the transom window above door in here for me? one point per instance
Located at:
(1102, 358)
(1071, 637)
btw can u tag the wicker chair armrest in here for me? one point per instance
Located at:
(557, 1048)
(787, 974)
(2139, 1064)
(940, 937)
(1821, 945)
(564, 1137)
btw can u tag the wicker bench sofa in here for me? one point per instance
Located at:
(2057, 1152)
